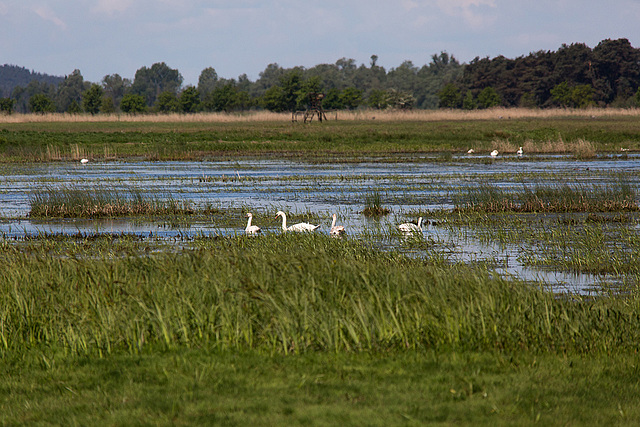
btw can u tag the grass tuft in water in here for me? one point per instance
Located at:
(566, 198)
(373, 205)
(100, 202)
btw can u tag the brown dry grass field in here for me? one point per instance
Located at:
(359, 115)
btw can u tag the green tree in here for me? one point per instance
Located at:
(346, 70)
(243, 100)
(488, 98)
(312, 85)
(528, 100)
(333, 100)
(378, 99)
(23, 95)
(107, 106)
(268, 78)
(616, 70)
(223, 98)
(469, 102)
(207, 82)
(70, 90)
(450, 96)
(168, 102)
(351, 98)
(74, 108)
(432, 78)
(189, 100)
(273, 99)
(115, 87)
(403, 78)
(40, 104)
(133, 104)
(151, 82)
(6, 105)
(400, 99)
(291, 84)
(92, 99)
(561, 94)
(582, 96)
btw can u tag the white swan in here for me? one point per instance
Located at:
(409, 227)
(494, 153)
(336, 230)
(302, 226)
(471, 151)
(251, 229)
(83, 161)
(519, 152)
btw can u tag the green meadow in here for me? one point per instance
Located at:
(69, 138)
(305, 329)
(299, 329)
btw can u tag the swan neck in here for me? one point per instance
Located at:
(284, 221)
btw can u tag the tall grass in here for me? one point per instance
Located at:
(357, 115)
(99, 202)
(565, 198)
(290, 294)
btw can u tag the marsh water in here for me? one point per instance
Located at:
(406, 185)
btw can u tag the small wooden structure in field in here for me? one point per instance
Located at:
(315, 107)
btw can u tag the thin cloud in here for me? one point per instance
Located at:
(409, 4)
(473, 12)
(111, 7)
(49, 15)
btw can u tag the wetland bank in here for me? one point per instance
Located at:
(494, 313)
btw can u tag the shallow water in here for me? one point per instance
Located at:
(265, 186)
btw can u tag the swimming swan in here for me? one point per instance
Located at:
(409, 227)
(302, 226)
(336, 230)
(251, 229)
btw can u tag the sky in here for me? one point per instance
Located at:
(103, 37)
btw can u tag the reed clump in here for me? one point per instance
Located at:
(100, 202)
(566, 198)
(373, 205)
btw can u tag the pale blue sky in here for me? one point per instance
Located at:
(101, 37)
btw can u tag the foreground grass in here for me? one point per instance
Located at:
(299, 329)
(166, 138)
(206, 386)
(288, 294)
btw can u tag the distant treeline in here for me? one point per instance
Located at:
(574, 76)
(12, 76)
